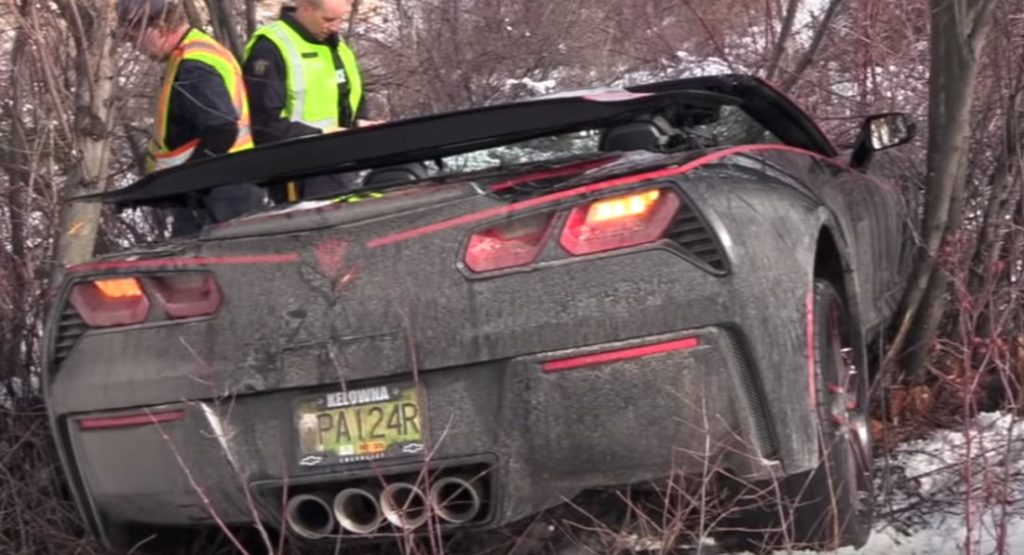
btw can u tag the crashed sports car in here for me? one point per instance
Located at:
(523, 304)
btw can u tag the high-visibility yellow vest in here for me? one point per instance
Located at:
(200, 47)
(312, 80)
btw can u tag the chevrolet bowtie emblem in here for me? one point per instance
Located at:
(311, 460)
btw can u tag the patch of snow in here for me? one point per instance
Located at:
(932, 488)
(535, 87)
(697, 66)
(809, 12)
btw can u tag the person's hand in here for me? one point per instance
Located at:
(334, 129)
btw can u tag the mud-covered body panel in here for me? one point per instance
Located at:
(510, 412)
(380, 294)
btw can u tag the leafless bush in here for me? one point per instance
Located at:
(36, 514)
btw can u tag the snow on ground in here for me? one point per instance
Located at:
(929, 489)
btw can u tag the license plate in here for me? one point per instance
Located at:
(359, 425)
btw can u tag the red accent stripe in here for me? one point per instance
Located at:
(192, 261)
(620, 355)
(599, 186)
(130, 420)
(812, 391)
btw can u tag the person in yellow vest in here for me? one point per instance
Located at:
(202, 109)
(304, 80)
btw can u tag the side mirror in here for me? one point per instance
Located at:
(879, 132)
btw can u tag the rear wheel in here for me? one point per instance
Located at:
(832, 505)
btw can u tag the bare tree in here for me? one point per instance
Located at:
(250, 16)
(224, 20)
(809, 55)
(959, 29)
(91, 23)
(782, 44)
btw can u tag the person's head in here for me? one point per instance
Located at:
(154, 25)
(322, 18)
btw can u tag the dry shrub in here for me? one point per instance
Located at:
(36, 514)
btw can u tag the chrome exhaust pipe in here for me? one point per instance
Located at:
(357, 511)
(456, 500)
(309, 516)
(404, 505)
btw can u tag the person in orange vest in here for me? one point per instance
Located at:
(202, 109)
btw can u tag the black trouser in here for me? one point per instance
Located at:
(218, 205)
(315, 187)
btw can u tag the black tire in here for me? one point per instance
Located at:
(832, 505)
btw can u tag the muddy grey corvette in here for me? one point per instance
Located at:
(524, 304)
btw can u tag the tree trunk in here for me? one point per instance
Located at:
(223, 19)
(958, 32)
(14, 264)
(807, 58)
(353, 15)
(95, 83)
(194, 19)
(250, 17)
(783, 44)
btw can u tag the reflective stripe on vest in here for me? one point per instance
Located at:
(310, 68)
(200, 47)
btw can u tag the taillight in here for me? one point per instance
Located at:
(619, 222)
(123, 301)
(509, 244)
(187, 294)
(110, 302)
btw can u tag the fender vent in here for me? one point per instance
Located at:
(692, 234)
(71, 327)
(769, 443)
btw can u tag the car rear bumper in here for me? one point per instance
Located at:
(542, 428)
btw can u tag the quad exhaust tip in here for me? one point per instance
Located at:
(404, 505)
(357, 511)
(455, 500)
(309, 516)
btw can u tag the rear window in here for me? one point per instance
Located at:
(543, 149)
(729, 126)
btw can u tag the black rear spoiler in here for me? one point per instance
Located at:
(429, 137)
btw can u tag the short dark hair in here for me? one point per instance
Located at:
(140, 14)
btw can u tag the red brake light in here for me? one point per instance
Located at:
(130, 420)
(119, 288)
(510, 244)
(619, 355)
(110, 302)
(187, 294)
(619, 222)
(618, 208)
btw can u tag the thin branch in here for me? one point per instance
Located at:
(812, 50)
(711, 35)
(785, 34)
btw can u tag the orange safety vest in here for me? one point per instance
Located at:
(198, 46)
